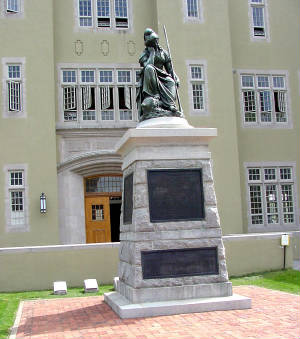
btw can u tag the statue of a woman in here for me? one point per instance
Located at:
(157, 92)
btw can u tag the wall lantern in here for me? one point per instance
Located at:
(43, 207)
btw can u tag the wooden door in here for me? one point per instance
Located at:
(97, 219)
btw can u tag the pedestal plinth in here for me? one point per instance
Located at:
(172, 258)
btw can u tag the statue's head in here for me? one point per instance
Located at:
(150, 37)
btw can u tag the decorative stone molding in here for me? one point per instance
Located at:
(104, 47)
(78, 46)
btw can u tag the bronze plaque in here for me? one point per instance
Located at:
(179, 262)
(128, 199)
(175, 195)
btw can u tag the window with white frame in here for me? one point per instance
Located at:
(103, 14)
(258, 19)
(13, 87)
(99, 94)
(16, 204)
(193, 10)
(264, 99)
(12, 9)
(16, 190)
(271, 195)
(13, 6)
(197, 88)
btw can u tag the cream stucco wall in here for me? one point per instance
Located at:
(31, 140)
(280, 53)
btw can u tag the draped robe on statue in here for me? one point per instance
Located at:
(155, 81)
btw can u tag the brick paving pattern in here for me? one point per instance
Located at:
(273, 315)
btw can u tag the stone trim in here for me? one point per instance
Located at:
(71, 247)
(51, 248)
(255, 236)
(82, 164)
(164, 293)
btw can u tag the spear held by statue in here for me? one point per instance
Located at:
(172, 73)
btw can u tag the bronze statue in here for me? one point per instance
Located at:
(158, 81)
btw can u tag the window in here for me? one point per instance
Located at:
(258, 19)
(193, 10)
(264, 99)
(14, 88)
(12, 9)
(12, 6)
(16, 198)
(197, 88)
(271, 195)
(99, 94)
(13, 83)
(103, 14)
(104, 184)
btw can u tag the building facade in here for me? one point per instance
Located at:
(70, 74)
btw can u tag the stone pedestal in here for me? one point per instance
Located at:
(182, 151)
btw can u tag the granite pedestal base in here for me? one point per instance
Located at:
(126, 309)
(172, 257)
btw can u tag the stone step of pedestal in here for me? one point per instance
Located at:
(125, 309)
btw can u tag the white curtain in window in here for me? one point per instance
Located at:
(105, 97)
(86, 97)
(127, 97)
(281, 101)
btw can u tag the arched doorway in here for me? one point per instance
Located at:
(72, 178)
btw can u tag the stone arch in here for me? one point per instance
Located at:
(71, 174)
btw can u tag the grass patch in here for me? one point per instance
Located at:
(286, 281)
(9, 303)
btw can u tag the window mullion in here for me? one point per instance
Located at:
(79, 103)
(280, 204)
(112, 13)
(97, 99)
(264, 204)
(258, 108)
(94, 14)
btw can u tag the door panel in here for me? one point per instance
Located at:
(97, 219)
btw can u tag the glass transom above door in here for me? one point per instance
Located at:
(104, 184)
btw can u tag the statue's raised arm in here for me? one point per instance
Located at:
(157, 91)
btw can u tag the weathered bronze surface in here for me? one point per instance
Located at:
(157, 87)
(179, 262)
(128, 199)
(175, 195)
